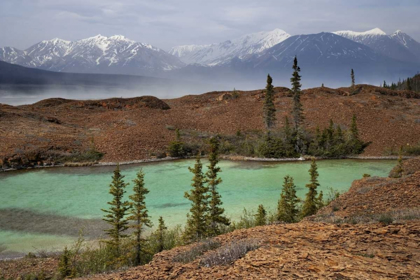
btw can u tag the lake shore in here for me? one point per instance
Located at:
(223, 157)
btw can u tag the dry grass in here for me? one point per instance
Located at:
(230, 252)
(196, 251)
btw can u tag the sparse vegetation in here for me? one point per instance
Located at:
(196, 251)
(229, 253)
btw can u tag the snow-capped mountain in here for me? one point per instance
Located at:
(99, 54)
(220, 53)
(324, 58)
(379, 41)
(13, 55)
(408, 42)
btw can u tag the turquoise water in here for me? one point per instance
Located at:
(45, 206)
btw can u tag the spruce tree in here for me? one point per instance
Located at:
(330, 135)
(196, 227)
(409, 84)
(261, 216)
(64, 265)
(297, 111)
(115, 216)
(139, 216)
(339, 137)
(215, 215)
(355, 145)
(289, 150)
(176, 148)
(354, 131)
(399, 169)
(320, 200)
(287, 207)
(310, 206)
(353, 81)
(161, 235)
(269, 108)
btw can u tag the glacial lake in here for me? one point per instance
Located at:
(45, 209)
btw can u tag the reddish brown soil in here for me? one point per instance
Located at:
(129, 129)
(303, 251)
(370, 198)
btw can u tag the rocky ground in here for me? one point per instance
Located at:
(141, 128)
(306, 250)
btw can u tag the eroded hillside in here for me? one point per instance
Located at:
(141, 128)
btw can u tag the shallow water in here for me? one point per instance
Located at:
(44, 209)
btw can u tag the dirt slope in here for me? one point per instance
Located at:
(129, 129)
(304, 251)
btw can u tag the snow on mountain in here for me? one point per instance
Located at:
(98, 54)
(353, 35)
(13, 55)
(408, 42)
(379, 41)
(220, 53)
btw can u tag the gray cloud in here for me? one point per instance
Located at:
(166, 23)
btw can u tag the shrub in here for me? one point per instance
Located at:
(229, 253)
(386, 219)
(196, 251)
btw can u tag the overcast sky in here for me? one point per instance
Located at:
(167, 23)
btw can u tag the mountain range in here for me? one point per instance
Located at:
(324, 57)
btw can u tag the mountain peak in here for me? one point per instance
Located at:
(120, 38)
(372, 32)
(375, 31)
(242, 46)
(56, 41)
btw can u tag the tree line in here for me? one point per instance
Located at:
(290, 141)
(405, 84)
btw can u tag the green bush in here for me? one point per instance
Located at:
(386, 219)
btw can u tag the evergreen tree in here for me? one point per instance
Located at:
(297, 111)
(310, 206)
(354, 131)
(115, 216)
(196, 227)
(287, 207)
(261, 216)
(399, 170)
(409, 84)
(339, 137)
(320, 200)
(215, 215)
(64, 264)
(353, 82)
(354, 144)
(269, 108)
(161, 235)
(176, 148)
(139, 215)
(330, 135)
(288, 140)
